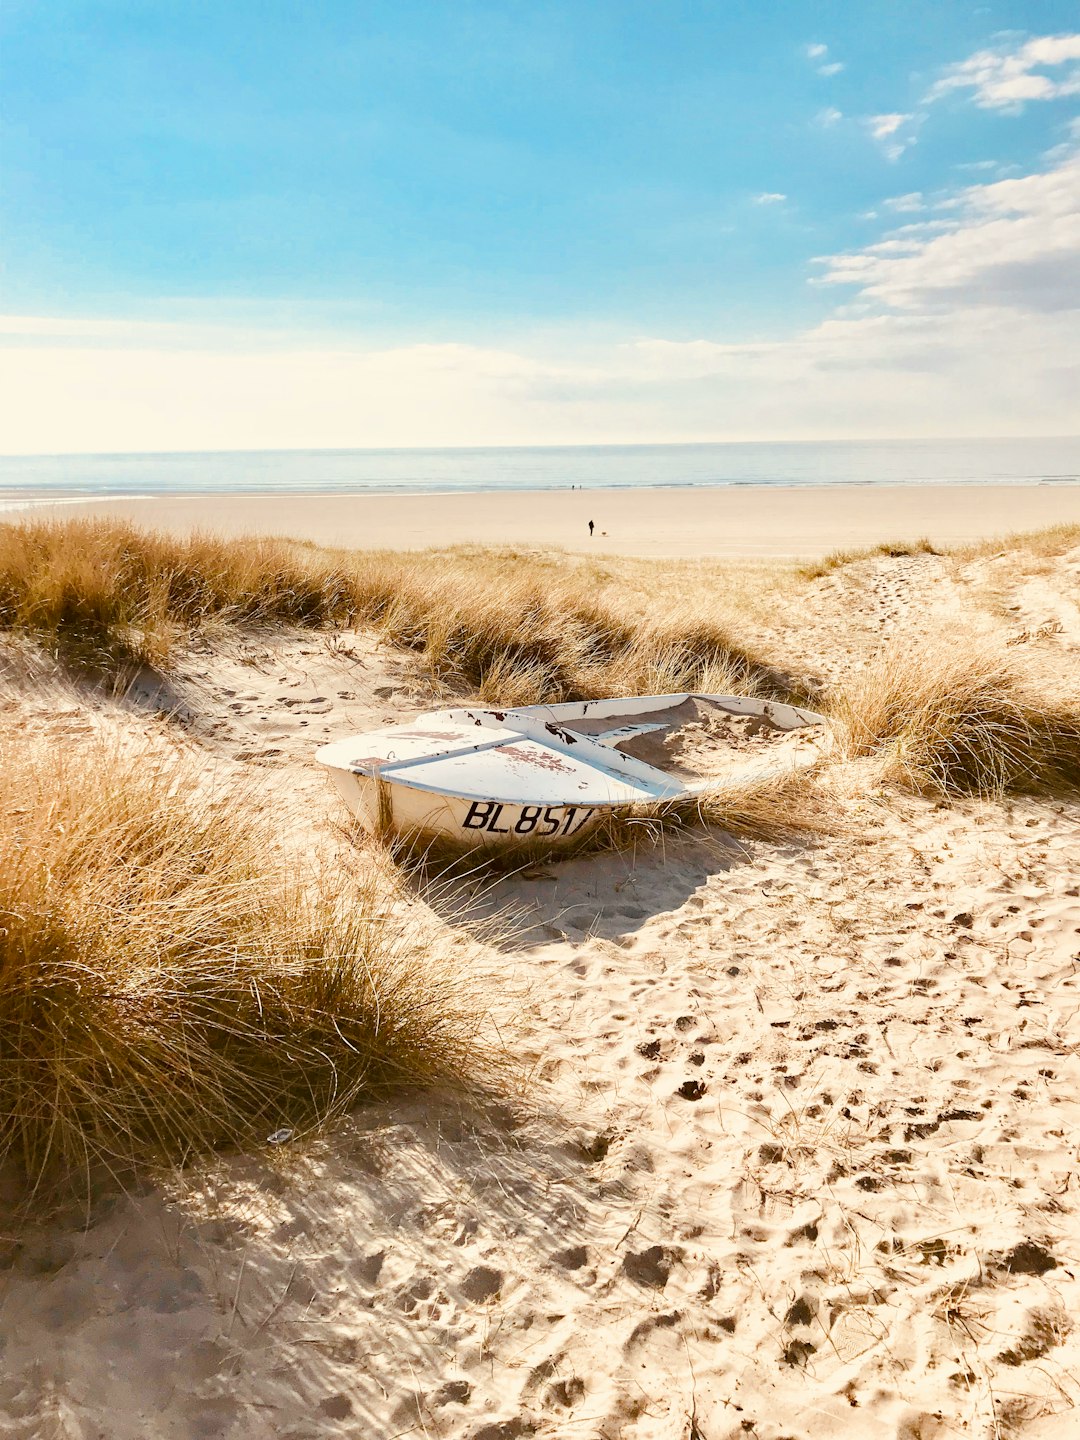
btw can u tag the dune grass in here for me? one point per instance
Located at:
(1047, 543)
(962, 715)
(111, 596)
(170, 983)
(788, 805)
(894, 549)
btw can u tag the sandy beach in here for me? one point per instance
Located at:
(792, 1155)
(540, 721)
(732, 522)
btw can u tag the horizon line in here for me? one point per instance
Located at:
(556, 445)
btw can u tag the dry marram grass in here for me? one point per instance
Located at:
(169, 983)
(1052, 540)
(787, 805)
(892, 549)
(114, 596)
(962, 716)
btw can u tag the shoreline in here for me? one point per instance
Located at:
(674, 522)
(31, 495)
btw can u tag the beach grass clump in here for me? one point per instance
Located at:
(1047, 543)
(170, 980)
(961, 715)
(106, 593)
(112, 597)
(782, 807)
(776, 807)
(891, 549)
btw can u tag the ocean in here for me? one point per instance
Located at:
(854, 462)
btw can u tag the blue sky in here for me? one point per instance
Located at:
(612, 220)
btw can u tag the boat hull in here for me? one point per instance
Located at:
(464, 821)
(540, 776)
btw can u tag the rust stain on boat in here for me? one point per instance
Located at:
(542, 759)
(433, 734)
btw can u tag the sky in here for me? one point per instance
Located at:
(262, 225)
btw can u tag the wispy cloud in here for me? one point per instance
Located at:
(1010, 243)
(818, 55)
(886, 130)
(829, 117)
(881, 126)
(908, 204)
(769, 197)
(960, 323)
(964, 322)
(1006, 78)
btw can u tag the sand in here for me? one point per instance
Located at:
(737, 521)
(795, 1159)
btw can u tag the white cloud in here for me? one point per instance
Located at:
(78, 327)
(966, 321)
(934, 369)
(769, 197)
(1007, 78)
(908, 204)
(231, 393)
(1001, 78)
(829, 117)
(885, 129)
(882, 126)
(818, 52)
(1008, 244)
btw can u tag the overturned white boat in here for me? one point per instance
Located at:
(480, 777)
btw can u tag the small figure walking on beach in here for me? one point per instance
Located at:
(590, 529)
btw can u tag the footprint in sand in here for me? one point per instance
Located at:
(651, 1267)
(482, 1283)
(312, 705)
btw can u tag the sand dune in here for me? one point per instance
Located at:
(795, 1154)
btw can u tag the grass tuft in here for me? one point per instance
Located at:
(1047, 543)
(169, 983)
(110, 596)
(786, 806)
(962, 717)
(780, 807)
(894, 549)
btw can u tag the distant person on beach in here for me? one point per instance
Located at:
(590, 529)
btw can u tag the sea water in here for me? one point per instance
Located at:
(849, 462)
